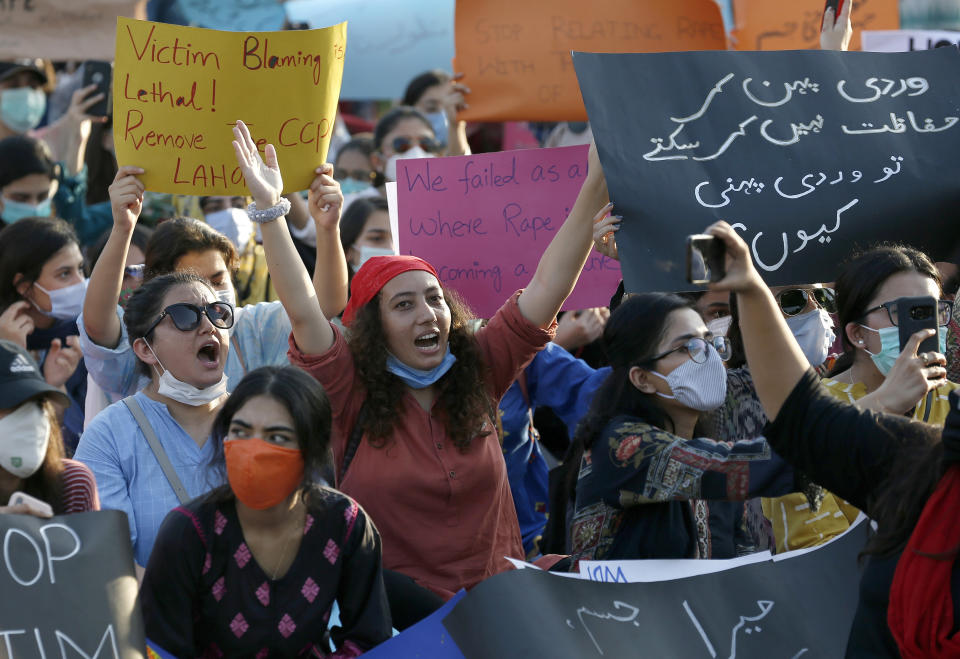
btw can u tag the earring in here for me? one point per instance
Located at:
(860, 342)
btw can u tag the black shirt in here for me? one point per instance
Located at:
(850, 452)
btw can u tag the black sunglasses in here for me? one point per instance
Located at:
(794, 300)
(944, 312)
(698, 349)
(428, 144)
(186, 317)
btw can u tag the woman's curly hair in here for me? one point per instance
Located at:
(463, 398)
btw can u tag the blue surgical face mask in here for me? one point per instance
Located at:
(353, 186)
(890, 346)
(414, 377)
(441, 126)
(14, 211)
(21, 109)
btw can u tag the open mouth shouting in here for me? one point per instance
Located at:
(209, 354)
(428, 343)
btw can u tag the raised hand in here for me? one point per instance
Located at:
(61, 361)
(605, 226)
(454, 99)
(262, 174)
(16, 324)
(912, 376)
(325, 199)
(740, 276)
(836, 31)
(126, 197)
(579, 328)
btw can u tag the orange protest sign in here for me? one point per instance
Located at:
(515, 56)
(795, 25)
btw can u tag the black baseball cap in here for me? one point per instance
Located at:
(10, 69)
(21, 378)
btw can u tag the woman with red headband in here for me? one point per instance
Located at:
(414, 390)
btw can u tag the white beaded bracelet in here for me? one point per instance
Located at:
(268, 214)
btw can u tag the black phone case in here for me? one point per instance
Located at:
(909, 326)
(101, 74)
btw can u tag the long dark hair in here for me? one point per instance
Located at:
(146, 303)
(25, 247)
(21, 156)
(46, 483)
(305, 401)
(862, 276)
(463, 399)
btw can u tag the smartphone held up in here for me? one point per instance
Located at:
(706, 257)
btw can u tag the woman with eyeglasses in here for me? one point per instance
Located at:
(403, 132)
(644, 459)
(872, 372)
(151, 451)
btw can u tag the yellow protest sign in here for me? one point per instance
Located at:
(177, 92)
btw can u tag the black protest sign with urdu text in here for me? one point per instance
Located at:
(67, 588)
(806, 153)
(798, 606)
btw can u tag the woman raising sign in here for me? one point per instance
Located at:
(428, 467)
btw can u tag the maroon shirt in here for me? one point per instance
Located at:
(446, 517)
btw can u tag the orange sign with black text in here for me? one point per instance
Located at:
(515, 55)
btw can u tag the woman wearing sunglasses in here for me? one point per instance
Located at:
(403, 132)
(644, 458)
(151, 451)
(258, 337)
(896, 470)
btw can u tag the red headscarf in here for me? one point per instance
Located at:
(374, 274)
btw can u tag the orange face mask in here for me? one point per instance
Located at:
(261, 474)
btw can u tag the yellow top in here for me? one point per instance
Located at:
(795, 526)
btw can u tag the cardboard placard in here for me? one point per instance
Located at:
(515, 56)
(391, 42)
(800, 607)
(795, 25)
(901, 41)
(483, 221)
(63, 29)
(179, 90)
(807, 153)
(69, 588)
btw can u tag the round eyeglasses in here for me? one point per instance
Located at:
(698, 348)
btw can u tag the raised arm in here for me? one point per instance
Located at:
(561, 263)
(330, 270)
(311, 330)
(775, 359)
(100, 318)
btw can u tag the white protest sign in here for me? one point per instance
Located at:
(899, 41)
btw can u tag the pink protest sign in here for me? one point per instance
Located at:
(483, 221)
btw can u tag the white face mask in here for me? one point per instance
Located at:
(720, 326)
(227, 295)
(814, 332)
(390, 170)
(701, 387)
(65, 303)
(184, 392)
(366, 253)
(24, 436)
